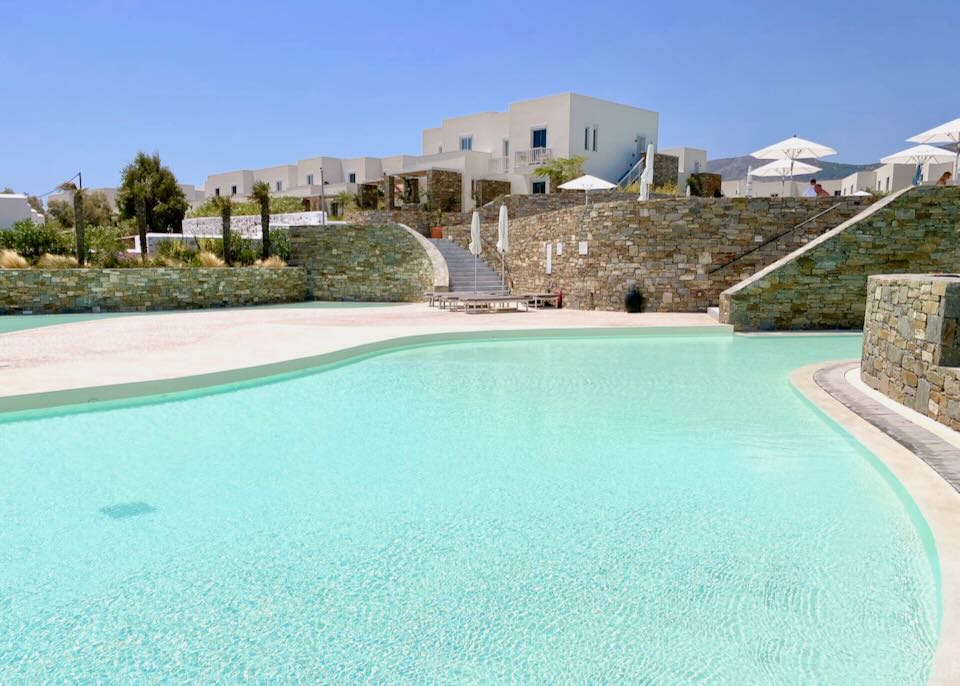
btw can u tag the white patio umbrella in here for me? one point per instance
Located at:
(503, 241)
(793, 149)
(945, 133)
(919, 155)
(646, 177)
(784, 168)
(587, 183)
(475, 247)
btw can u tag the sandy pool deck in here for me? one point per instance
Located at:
(92, 353)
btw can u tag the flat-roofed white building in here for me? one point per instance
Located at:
(507, 146)
(14, 207)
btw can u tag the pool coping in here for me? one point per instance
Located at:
(826, 387)
(92, 398)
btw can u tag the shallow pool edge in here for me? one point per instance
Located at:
(96, 398)
(938, 502)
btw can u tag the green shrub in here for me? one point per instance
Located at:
(280, 244)
(173, 249)
(278, 205)
(104, 244)
(242, 249)
(33, 240)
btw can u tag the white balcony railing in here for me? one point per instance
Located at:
(532, 157)
(499, 165)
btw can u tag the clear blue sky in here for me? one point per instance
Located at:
(241, 85)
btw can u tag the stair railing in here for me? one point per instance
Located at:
(774, 239)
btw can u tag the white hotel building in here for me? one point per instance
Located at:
(506, 146)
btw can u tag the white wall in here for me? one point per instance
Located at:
(285, 175)
(621, 130)
(894, 177)
(14, 208)
(332, 170)
(691, 160)
(242, 179)
(488, 129)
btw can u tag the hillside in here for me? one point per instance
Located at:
(731, 168)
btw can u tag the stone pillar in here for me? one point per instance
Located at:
(388, 200)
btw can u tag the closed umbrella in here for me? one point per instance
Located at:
(919, 155)
(783, 168)
(503, 242)
(749, 181)
(475, 247)
(791, 150)
(945, 133)
(646, 178)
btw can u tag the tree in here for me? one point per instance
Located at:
(165, 203)
(261, 194)
(561, 170)
(225, 204)
(78, 196)
(96, 211)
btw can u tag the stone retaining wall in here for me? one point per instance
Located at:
(133, 290)
(364, 263)
(673, 249)
(911, 348)
(823, 284)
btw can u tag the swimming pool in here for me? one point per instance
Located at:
(654, 509)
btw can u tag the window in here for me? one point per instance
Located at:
(538, 138)
(836, 192)
(466, 142)
(233, 190)
(279, 185)
(506, 147)
(595, 138)
(216, 192)
(586, 138)
(352, 177)
(539, 187)
(309, 179)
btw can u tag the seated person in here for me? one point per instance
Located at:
(820, 191)
(944, 179)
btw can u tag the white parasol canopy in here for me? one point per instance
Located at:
(919, 154)
(945, 133)
(784, 169)
(475, 246)
(793, 149)
(587, 183)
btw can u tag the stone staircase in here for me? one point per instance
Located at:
(460, 265)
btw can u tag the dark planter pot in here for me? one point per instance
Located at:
(633, 302)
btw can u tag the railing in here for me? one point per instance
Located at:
(631, 176)
(775, 238)
(499, 165)
(532, 157)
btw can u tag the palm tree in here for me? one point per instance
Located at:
(225, 205)
(261, 194)
(343, 200)
(77, 218)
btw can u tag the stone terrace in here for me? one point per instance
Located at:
(680, 252)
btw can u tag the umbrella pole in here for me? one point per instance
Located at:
(475, 260)
(956, 167)
(503, 273)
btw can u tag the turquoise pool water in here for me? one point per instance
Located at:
(647, 510)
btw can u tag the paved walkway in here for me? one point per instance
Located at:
(942, 456)
(123, 350)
